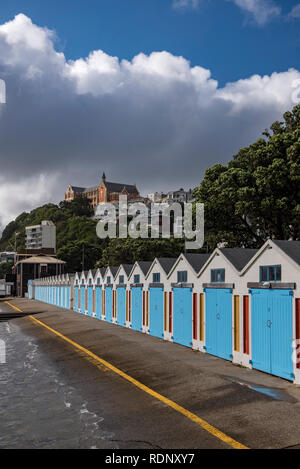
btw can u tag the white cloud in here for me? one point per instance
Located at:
(154, 121)
(21, 195)
(186, 4)
(260, 10)
(295, 12)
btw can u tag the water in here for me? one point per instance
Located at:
(274, 393)
(38, 407)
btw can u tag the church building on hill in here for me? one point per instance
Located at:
(104, 192)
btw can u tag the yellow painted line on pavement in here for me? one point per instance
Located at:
(205, 425)
(13, 306)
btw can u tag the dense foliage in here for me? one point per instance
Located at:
(129, 250)
(257, 195)
(75, 232)
(76, 238)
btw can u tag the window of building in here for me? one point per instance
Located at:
(121, 279)
(182, 276)
(90, 281)
(82, 281)
(108, 279)
(98, 281)
(270, 273)
(217, 275)
(136, 278)
(156, 278)
(76, 282)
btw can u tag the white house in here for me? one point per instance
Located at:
(121, 296)
(222, 287)
(158, 288)
(138, 296)
(271, 309)
(186, 314)
(108, 296)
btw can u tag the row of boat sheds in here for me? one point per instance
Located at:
(238, 304)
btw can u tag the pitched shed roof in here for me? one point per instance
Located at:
(114, 270)
(239, 257)
(102, 271)
(197, 261)
(291, 248)
(144, 266)
(127, 268)
(167, 263)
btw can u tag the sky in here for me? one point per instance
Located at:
(152, 92)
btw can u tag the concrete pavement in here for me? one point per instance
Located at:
(255, 409)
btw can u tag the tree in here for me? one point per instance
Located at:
(257, 195)
(5, 268)
(74, 227)
(128, 251)
(72, 254)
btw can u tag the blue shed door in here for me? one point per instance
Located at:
(98, 302)
(121, 306)
(182, 316)
(108, 303)
(272, 332)
(219, 322)
(76, 298)
(90, 301)
(137, 308)
(68, 297)
(62, 299)
(156, 312)
(82, 300)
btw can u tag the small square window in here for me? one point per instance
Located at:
(270, 273)
(121, 279)
(108, 279)
(182, 276)
(136, 279)
(156, 278)
(217, 275)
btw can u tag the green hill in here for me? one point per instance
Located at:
(74, 228)
(75, 231)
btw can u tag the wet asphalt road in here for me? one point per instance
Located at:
(54, 396)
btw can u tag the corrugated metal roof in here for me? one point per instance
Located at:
(239, 257)
(291, 248)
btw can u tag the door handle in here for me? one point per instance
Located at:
(218, 316)
(269, 323)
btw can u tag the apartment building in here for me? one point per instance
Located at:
(41, 236)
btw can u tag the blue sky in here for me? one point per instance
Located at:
(217, 34)
(152, 92)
